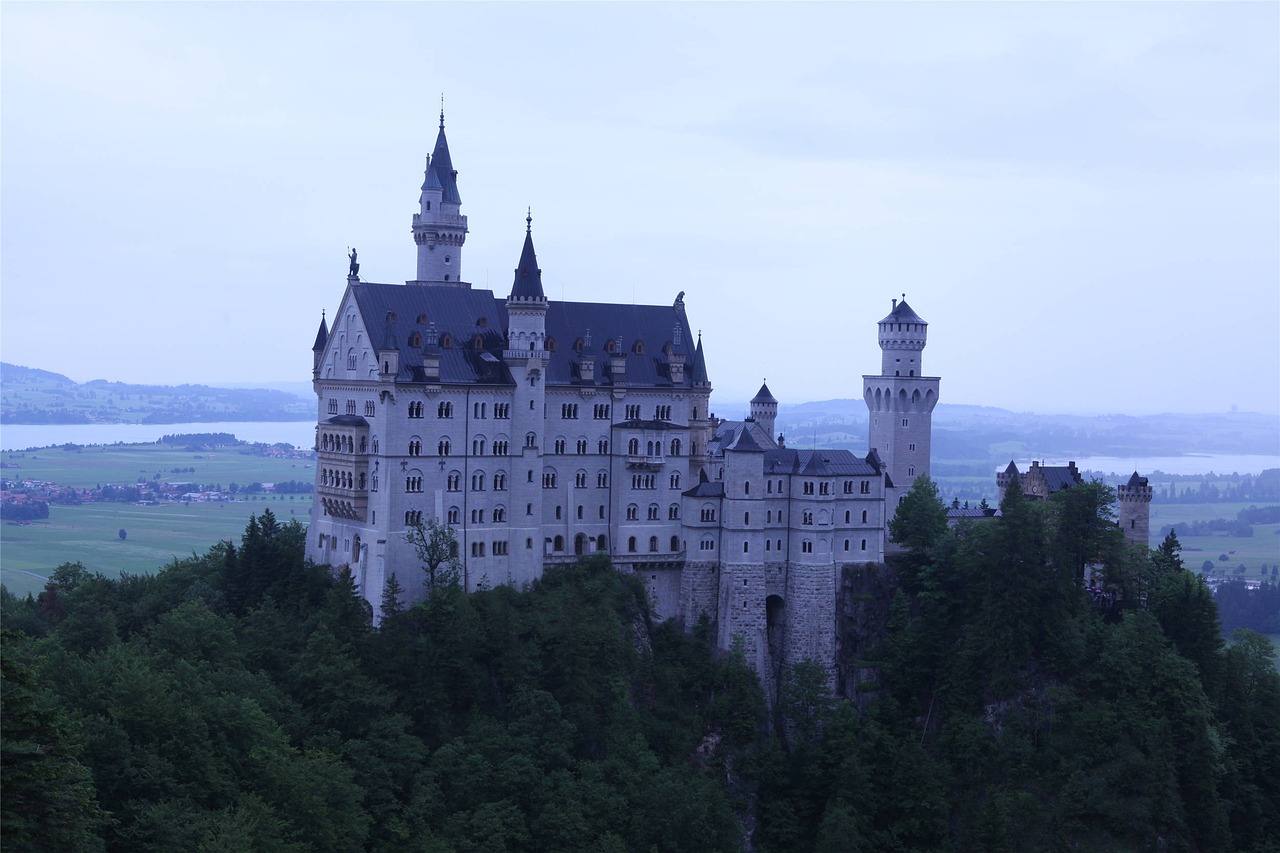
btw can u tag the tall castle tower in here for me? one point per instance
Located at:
(527, 358)
(439, 229)
(1134, 499)
(900, 401)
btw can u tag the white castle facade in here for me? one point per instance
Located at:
(541, 431)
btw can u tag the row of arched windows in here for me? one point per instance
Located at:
(341, 443)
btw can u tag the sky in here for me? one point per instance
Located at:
(1083, 200)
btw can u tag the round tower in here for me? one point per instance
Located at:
(439, 228)
(764, 410)
(1134, 500)
(900, 402)
(902, 339)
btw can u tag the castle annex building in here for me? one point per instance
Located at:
(541, 431)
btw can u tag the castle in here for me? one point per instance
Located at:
(541, 431)
(1039, 482)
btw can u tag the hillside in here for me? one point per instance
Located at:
(32, 396)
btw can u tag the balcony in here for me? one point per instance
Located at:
(650, 463)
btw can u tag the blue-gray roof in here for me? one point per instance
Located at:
(472, 327)
(818, 463)
(902, 313)
(440, 172)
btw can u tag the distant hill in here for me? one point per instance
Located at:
(32, 396)
(973, 439)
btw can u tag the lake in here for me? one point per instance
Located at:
(302, 434)
(22, 436)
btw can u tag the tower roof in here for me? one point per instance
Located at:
(699, 371)
(440, 171)
(528, 281)
(902, 313)
(322, 335)
(1136, 481)
(763, 395)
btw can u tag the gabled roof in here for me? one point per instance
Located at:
(461, 314)
(705, 488)
(1136, 482)
(1059, 477)
(818, 463)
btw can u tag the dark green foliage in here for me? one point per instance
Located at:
(242, 700)
(1048, 719)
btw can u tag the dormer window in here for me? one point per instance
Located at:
(446, 341)
(422, 320)
(477, 342)
(551, 344)
(415, 340)
(638, 347)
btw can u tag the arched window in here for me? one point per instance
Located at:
(638, 347)
(631, 545)
(675, 543)
(864, 516)
(558, 544)
(633, 447)
(653, 544)
(675, 447)
(446, 341)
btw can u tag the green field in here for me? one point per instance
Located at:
(155, 535)
(1263, 548)
(125, 464)
(89, 533)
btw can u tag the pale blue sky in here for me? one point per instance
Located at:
(1082, 199)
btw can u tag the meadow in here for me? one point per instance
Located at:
(126, 464)
(1253, 552)
(154, 535)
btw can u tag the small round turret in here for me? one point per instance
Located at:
(902, 338)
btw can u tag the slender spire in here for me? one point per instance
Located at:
(440, 168)
(322, 335)
(528, 281)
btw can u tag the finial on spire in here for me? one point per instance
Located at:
(904, 297)
(442, 110)
(528, 221)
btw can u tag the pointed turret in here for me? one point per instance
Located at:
(440, 168)
(322, 340)
(322, 335)
(528, 282)
(439, 228)
(699, 374)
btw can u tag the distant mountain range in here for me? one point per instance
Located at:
(964, 437)
(32, 396)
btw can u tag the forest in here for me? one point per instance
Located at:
(243, 700)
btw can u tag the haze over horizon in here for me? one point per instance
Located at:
(1081, 200)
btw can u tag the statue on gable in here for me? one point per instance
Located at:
(355, 267)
